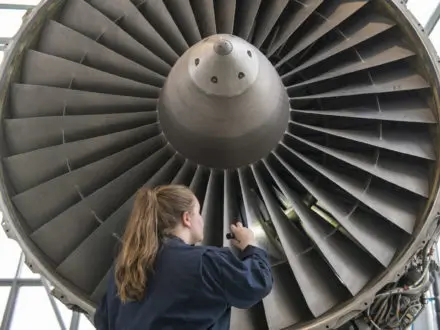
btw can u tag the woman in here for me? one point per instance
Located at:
(163, 282)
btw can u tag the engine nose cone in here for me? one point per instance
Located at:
(223, 104)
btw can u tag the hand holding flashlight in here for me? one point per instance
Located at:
(241, 236)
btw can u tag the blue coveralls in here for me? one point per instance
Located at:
(193, 288)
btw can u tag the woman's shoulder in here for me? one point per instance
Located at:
(210, 251)
(218, 254)
(213, 249)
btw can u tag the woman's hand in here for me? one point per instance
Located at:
(243, 236)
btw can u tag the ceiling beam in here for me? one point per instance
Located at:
(15, 6)
(4, 40)
(433, 20)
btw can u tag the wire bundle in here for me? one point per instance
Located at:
(400, 304)
(395, 311)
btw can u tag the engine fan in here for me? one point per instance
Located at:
(314, 122)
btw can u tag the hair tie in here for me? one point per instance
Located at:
(153, 196)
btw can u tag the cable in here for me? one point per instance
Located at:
(419, 284)
(386, 310)
(371, 320)
(398, 306)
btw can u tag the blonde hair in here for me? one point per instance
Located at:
(156, 212)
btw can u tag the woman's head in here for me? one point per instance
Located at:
(157, 213)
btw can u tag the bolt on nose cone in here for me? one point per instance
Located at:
(221, 65)
(223, 47)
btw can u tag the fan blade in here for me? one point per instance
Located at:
(41, 132)
(231, 211)
(403, 110)
(225, 15)
(41, 203)
(369, 58)
(248, 319)
(379, 237)
(212, 210)
(183, 15)
(381, 82)
(284, 306)
(58, 40)
(205, 16)
(415, 143)
(246, 14)
(50, 162)
(292, 24)
(158, 15)
(93, 209)
(43, 69)
(36, 101)
(395, 209)
(98, 247)
(253, 218)
(318, 284)
(199, 182)
(403, 174)
(130, 19)
(366, 28)
(331, 17)
(353, 266)
(267, 18)
(101, 288)
(185, 174)
(83, 18)
(279, 306)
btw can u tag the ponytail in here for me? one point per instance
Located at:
(156, 212)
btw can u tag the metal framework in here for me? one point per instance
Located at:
(4, 41)
(15, 6)
(433, 20)
(16, 283)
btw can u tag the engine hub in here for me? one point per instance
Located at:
(223, 104)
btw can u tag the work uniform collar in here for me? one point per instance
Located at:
(173, 240)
